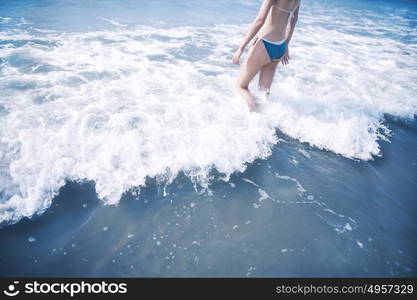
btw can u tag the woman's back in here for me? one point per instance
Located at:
(277, 20)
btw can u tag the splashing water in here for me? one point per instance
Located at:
(117, 106)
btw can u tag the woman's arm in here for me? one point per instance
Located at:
(292, 24)
(253, 29)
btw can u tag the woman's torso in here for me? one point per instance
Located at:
(275, 26)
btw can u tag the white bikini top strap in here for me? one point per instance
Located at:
(291, 12)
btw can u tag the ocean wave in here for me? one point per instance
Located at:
(118, 106)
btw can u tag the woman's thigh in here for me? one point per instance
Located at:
(256, 58)
(266, 75)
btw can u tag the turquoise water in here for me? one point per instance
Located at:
(124, 150)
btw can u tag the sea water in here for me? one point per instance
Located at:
(126, 151)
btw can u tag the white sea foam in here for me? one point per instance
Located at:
(117, 106)
(4, 20)
(113, 22)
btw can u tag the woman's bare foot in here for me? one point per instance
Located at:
(252, 105)
(250, 100)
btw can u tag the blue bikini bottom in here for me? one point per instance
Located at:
(275, 50)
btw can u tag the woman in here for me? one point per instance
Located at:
(270, 46)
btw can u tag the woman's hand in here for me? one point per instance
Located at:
(236, 56)
(286, 58)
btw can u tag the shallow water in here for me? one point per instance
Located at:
(135, 106)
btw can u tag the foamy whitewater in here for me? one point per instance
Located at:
(125, 96)
(115, 106)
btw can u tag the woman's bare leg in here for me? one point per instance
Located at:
(266, 76)
(257, 58)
